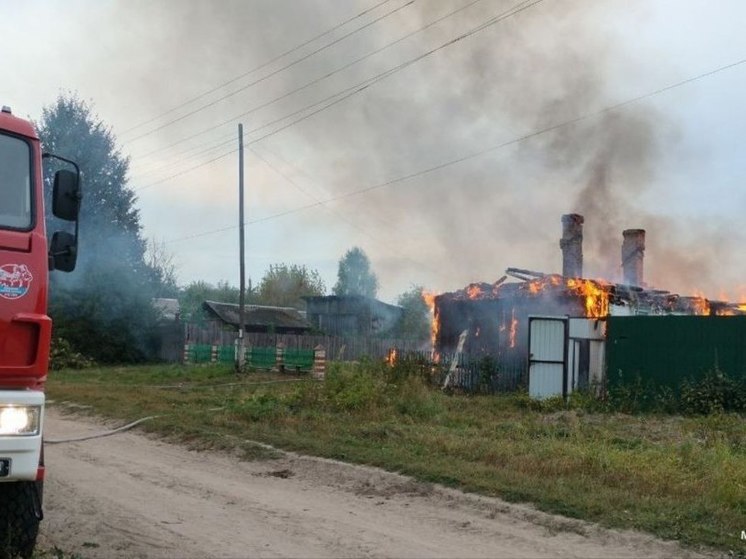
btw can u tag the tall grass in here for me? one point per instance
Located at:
(680, 477)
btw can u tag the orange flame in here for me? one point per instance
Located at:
(596, 296)
(473, 291)
(513, 328)
(594, 292)
(391, 357)
(429, 298)
(725, 312)
(700, 305)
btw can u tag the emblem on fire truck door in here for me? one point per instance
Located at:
(14, 280)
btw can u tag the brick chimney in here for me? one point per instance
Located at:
(571, 244)
(633, 252)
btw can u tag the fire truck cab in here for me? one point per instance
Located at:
(26, 257)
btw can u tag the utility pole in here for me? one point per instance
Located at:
(240, 348)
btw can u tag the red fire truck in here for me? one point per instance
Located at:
(25, 329)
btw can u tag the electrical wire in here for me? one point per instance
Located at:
(257, 68)
(258, 128)
(475, 154)
(321, 78)
(349, 222)
(271, 74)
(366, 84)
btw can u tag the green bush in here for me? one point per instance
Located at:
(62, 356)
(716, 392)
(632, 396)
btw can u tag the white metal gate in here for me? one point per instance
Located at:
(547, 361)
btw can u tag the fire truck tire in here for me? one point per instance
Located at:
(20, 513)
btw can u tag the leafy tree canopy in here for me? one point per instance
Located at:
(415, 321)
(68, 127)
(104, 307)
(285, 286)
(355, 276)
(193, 295)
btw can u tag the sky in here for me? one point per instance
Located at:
(443, 137)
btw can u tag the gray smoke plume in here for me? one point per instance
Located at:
(550, 64)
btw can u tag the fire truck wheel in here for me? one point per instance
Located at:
(20, 512)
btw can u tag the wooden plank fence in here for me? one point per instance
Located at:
(337, 348)
(471, 373)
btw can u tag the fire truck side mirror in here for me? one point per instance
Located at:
(63, 251)
(66, 195)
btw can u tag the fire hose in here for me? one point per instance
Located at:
(137, 422)
(103, 434)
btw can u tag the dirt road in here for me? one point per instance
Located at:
(132, 496)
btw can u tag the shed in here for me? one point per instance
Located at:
(351, 315)
(261, 319)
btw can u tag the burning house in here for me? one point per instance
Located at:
(494, 319)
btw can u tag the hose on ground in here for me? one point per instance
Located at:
(115, 431)
(103, 434)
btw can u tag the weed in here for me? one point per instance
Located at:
(715, 392)
(677, 477)
(260, 406)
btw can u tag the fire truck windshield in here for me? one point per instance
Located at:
(15, 183)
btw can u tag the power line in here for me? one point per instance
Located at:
(321, 78)
(345, 219)
(365, 84)
(179, 157)
(257, 68)
(280, 119)
(275, 72)
(231, 140)
(229, 152)
(473, 155)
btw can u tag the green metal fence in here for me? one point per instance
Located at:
(200, 353)
(226, 354)
(262, 357)
(665, 350)
(299, 359)
(257, 357)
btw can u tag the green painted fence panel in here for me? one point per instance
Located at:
(665, 350)
(262, 357)
(299, 359)
(226, 354)
(200, 353)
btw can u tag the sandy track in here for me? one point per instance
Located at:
(132, 496)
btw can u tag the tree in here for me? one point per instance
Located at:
(69, 128)
(415, 321)
(104, 308)
(161, 264)
(354, 276)
(285, 286)
(193, 295)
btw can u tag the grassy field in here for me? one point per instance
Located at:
(680, 478)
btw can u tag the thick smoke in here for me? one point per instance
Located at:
(548, 65)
